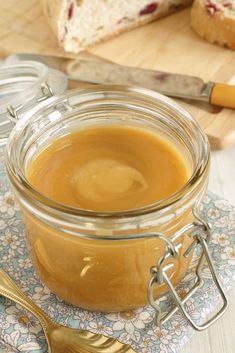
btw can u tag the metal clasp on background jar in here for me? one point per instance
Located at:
(22, 86)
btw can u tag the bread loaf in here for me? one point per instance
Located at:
(214, 20)
(81, 23)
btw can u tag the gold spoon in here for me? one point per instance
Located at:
(62, 339)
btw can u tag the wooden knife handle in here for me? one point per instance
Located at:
(223, 95)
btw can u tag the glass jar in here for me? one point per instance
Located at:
(22, 85)
(113, 261)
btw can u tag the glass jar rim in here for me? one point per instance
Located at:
(160, 205)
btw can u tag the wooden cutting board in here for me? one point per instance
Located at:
(168, 44)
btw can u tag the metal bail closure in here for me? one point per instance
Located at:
(22, 86)
(47, 92)
(200, 231)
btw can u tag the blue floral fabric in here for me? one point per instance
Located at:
(21, 332)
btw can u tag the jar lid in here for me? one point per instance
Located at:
(22, 86)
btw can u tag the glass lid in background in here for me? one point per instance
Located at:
(22, 85)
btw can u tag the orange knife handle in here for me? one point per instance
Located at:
(223, 95)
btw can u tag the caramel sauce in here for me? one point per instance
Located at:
(113, 168)
(109, 169)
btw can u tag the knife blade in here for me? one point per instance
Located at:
(90, 68)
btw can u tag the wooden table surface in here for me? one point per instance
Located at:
(220, 338)
(166, 45)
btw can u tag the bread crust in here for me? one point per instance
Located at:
(216, 28)
(52, 10)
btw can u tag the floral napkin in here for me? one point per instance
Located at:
(21, 332)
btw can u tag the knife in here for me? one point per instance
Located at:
(87, 67)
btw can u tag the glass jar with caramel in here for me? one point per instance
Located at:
(110, 180)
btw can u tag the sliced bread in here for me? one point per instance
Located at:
(214, 20)
(81, 23)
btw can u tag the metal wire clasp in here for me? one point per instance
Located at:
(13, 113)
(200, 232)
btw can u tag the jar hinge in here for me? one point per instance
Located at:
(13, 113)
(200, 231)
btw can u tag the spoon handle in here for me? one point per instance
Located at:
(10, 290)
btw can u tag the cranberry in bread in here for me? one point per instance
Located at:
(214, 20)
(81, 23)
